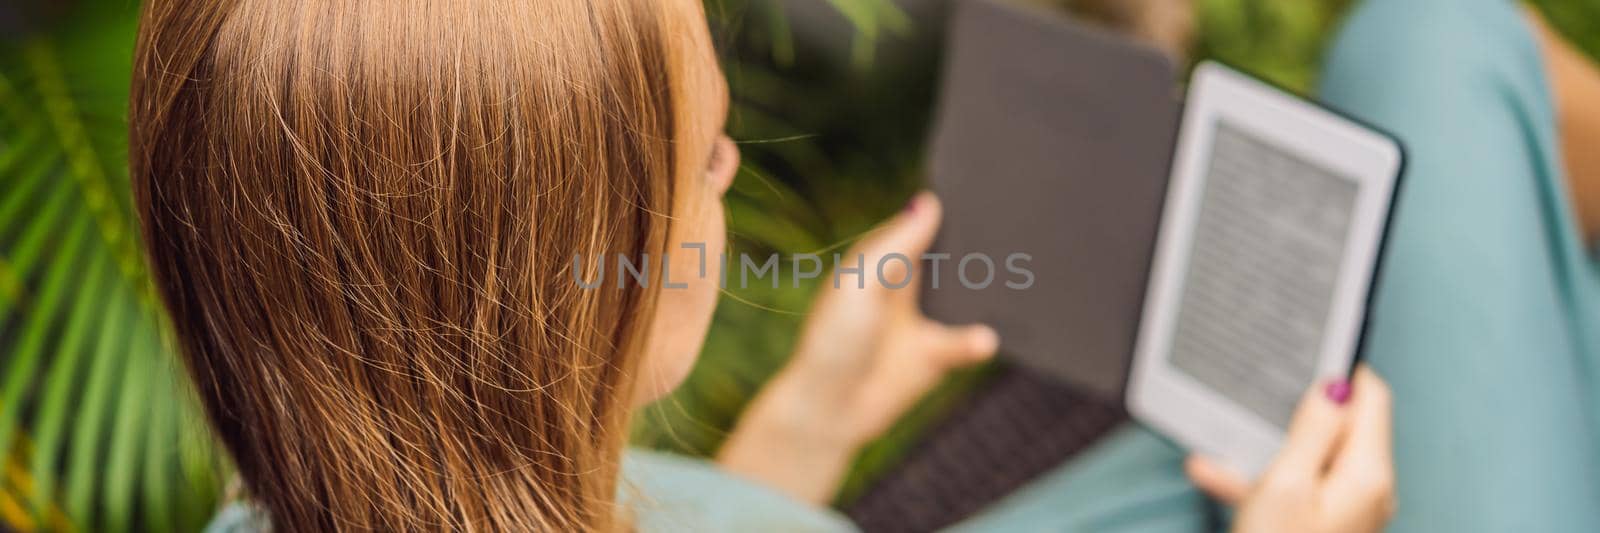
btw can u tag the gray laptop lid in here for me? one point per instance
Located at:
(1053, 140)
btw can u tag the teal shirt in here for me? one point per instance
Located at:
(666, 494)
(672, 493)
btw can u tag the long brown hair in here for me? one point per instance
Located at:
(361, 215)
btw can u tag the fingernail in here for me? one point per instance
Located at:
(911, 205)
(1338, 391)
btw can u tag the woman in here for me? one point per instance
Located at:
(369, 222)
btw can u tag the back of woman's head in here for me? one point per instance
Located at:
(361, 215)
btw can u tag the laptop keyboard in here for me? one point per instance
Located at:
(1013, 428)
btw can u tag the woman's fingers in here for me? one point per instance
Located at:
(1362, 475)
(891, 252)
(1314, 432)
(1313, 436)
(1222, 483)
(1335, 470)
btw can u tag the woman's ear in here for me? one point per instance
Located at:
(724, 164)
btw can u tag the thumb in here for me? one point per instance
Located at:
(958, 346)
(1219, 481)
(909, 234)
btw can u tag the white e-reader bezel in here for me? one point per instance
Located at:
(1168, 399)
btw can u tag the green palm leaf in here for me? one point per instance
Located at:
(89, 400)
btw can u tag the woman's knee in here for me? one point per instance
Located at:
(1407, 53)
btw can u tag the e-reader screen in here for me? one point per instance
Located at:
(1269, 237)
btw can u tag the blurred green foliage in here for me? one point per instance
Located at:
(98, 429)
(1280, 41)
(98, 432)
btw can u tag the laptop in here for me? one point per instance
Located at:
(1052, 140)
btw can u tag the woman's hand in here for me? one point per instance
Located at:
(1335, 473)
(865, 355)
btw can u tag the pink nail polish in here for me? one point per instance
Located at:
(1338, 391)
